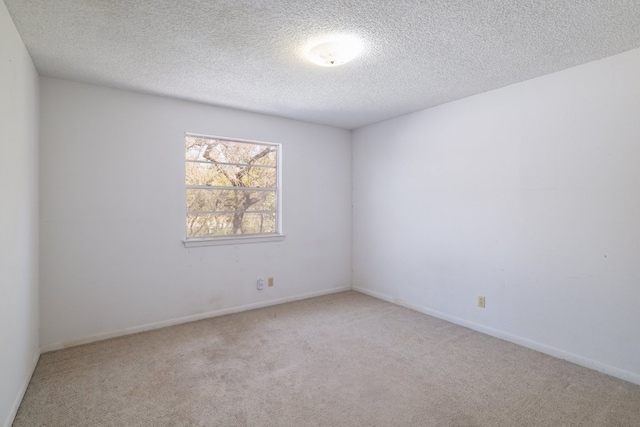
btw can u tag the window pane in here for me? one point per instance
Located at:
(203, 225)
(229, 176)
(215, 150)
(259, 223)
(235, 169)
(269, 159)
(230, 200)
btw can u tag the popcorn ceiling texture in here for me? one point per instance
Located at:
(247, 54)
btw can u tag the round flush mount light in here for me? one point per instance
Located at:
(332, 51)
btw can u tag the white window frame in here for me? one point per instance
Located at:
(190, 242)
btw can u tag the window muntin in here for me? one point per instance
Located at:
(232, 187)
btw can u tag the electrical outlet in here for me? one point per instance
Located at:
(270, 281)
(260, 284)
(481, 301)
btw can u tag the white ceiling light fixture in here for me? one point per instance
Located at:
(331, 51)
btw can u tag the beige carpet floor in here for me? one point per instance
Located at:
(339, 360)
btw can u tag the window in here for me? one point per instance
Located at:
(233, 189)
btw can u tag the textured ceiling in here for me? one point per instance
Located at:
(247, 54)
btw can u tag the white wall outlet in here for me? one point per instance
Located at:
(260, 284)
(481, 301)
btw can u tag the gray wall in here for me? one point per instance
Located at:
(113, 214)
(528, 195)
(18, 218)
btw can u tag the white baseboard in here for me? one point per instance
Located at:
(534, 345)
(171, 322)
(23, 390)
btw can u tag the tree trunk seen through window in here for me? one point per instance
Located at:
(231, 187)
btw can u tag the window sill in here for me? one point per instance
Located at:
(232, 240)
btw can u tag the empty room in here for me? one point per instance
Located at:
(320, 213)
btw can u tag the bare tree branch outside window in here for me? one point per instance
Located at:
(231, 187)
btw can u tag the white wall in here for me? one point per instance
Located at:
(18, 218)
(113, 207)
(528, 195)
